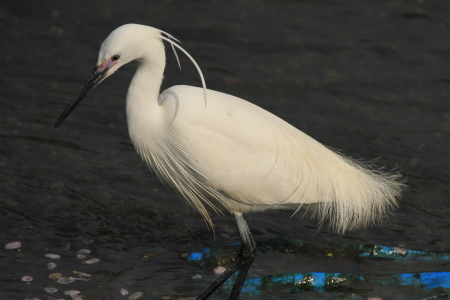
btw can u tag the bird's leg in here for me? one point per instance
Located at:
(241, 263)
(248, 251)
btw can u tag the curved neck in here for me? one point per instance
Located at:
(147, 80)
(143, 110)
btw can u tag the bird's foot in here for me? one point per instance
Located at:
(241, 263)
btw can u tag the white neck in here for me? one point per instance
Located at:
(144, 115)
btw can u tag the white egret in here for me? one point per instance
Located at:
(220, 152)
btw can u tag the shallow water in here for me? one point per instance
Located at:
(369, 78)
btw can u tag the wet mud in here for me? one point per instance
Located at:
(370, 78)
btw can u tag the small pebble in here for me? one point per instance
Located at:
(13, 245)
(81, 256)
(91, 261)
(55, 276)
(400, 250)
(53, 256)
(84, 251)
(123, 292)
(27, 278)
(197, 276)
(81, 278)
(51, 265)
(51, 290)
(219, 270)
(71, 292)
(66, 280)
(82, 274)
(135, 296)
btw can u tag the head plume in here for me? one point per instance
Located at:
(170, 39)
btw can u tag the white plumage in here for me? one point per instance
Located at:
(250, 160)
(233, 154)
(222, 152)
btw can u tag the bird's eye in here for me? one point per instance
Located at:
(115, 57)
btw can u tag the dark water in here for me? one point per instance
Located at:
(369, 77)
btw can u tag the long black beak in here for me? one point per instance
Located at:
(93, 80)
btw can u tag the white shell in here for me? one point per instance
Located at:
(135, 296)
(27, 278)
(51, 290)
(51, 265)
(82, 274)
(65, 280)
(124, 292)
(13, 245)
(91, 261)
(71, 292)
(219, 270)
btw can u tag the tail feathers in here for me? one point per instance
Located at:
(361, 196)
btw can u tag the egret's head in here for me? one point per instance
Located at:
(126, 43)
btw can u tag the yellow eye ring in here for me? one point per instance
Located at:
(115, 57)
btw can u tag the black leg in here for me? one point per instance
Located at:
(241, 277)
(241, 263)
